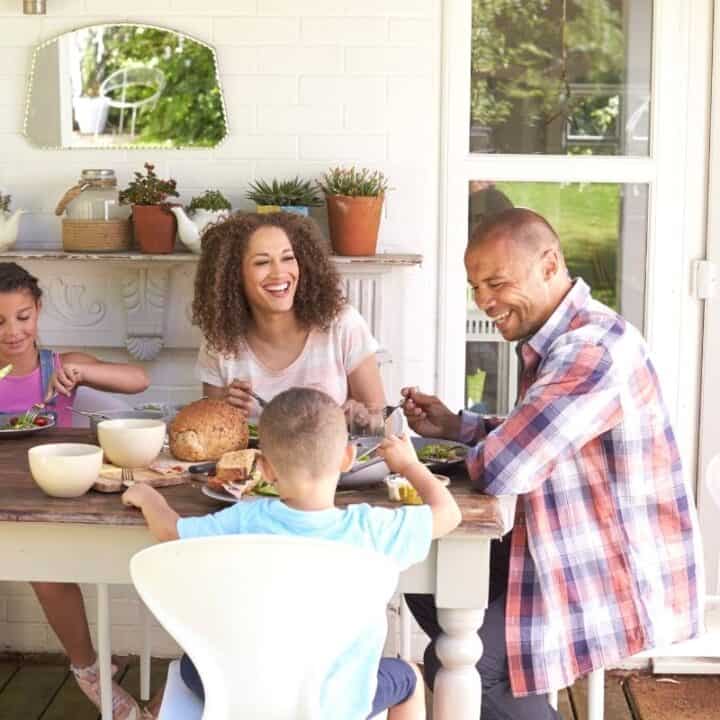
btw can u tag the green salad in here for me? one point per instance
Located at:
(436, 452)
(266, 488)
(252, 431)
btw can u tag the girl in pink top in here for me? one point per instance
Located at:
(270, 307)
(39, 375)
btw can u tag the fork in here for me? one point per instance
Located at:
(262, 403)
(126, 475)
(37, 408)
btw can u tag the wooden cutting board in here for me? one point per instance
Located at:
(170, 472)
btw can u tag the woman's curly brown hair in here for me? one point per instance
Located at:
(220, 307)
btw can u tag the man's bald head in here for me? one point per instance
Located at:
(527, 229)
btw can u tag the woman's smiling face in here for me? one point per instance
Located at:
(19, 313)
(270, 271)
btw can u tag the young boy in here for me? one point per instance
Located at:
(305, 448)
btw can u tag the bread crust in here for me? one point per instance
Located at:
(205, 429)
(236, 467)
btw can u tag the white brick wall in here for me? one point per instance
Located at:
(308, 84)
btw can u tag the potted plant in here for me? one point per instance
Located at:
(154, 225)
(203, 210)
(293, 196)
(354, 203)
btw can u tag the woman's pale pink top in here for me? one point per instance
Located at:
(325, 362)
(19, 392)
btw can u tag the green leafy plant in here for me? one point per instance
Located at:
(354, 182)
(210, 200)
(4, 202)
(148, 189)
(286, 193)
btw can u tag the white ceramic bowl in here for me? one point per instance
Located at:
(131, 443)
(65, 469)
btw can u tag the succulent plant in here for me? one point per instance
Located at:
(4, 202)
(209, 200)
(354, 182)
(148, 189)
(286, 193)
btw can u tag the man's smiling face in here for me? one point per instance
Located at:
(512, 283)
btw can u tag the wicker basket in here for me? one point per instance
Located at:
(95, 235)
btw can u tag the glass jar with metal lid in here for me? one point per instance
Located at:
(95, 197)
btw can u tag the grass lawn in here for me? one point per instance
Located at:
(586, 216)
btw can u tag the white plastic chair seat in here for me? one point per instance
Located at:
(264, 618)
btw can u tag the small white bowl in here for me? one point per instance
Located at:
(65, 469)
(131, 443)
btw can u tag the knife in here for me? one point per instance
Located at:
(200, 468)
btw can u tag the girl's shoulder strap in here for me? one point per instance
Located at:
(47, 367)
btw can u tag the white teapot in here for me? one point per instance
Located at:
(9, 224)
(191, 228)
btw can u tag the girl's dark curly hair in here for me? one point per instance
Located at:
(220, 307)
(14, 278)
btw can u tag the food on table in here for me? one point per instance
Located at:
(24, 423)
(437, 452)
(5, 371)
(206, 429)
(253, 431)
(266, 488)
(238, 469)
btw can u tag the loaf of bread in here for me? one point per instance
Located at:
(206, 429)
(238, 467)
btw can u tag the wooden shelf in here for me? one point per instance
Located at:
(383, 260)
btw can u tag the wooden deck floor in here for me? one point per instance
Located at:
(44, 689)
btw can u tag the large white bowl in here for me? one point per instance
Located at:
(65, 469)
(131, 443)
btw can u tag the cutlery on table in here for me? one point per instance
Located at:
(89, 413)
(126, 474)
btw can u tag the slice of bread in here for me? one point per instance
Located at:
(236, 467)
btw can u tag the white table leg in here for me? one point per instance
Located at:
(458, 690)
(103, 650)
(145, 653)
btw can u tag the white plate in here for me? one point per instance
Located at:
(226, 496)
(12, 432)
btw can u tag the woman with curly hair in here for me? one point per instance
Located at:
(269, 304)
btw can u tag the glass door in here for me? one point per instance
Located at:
(578, 109)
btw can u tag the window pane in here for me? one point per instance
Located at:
(603, 233)
(561, 76)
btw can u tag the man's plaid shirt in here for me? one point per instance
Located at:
(603, 561)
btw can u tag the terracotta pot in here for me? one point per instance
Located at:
(155, 228)
(354, 223)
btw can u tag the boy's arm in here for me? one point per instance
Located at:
(399, 454)
(160, 517)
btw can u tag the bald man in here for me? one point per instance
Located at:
(602, 560)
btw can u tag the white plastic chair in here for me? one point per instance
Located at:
(124, 78)
(264, 618)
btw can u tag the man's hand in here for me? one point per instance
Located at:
(398, 452)
(66, 378)
(428, 416)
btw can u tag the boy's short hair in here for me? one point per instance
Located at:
(303, 428)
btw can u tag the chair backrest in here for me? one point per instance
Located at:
(264, 618)
(120, 80)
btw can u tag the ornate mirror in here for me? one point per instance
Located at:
(124, 86)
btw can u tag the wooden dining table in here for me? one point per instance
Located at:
(90, 539)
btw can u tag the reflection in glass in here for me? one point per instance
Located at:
(603, 233)
(561, 76)
(125, 86)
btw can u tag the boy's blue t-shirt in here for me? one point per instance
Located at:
(403, 535)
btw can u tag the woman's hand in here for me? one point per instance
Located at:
(66, 378)
(398, 452)
(428, 416)
(238, 397)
